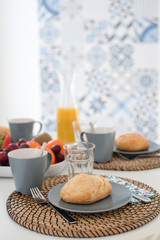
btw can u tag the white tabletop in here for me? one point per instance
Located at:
(11, 230)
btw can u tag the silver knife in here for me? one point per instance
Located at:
(142, 198)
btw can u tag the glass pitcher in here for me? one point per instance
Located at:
(68, 110)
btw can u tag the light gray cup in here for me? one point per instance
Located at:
(23, 128)
(103, 138)
(28, 168)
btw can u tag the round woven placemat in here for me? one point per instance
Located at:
(120, 164)
(44, 219)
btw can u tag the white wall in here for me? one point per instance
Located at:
(19, 63)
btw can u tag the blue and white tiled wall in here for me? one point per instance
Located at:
(114, 47)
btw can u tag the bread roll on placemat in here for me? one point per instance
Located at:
(44, 219)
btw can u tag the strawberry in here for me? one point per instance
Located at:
(6, 142)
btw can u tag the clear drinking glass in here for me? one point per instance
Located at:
(79, 158)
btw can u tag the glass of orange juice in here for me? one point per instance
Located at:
(67, 111)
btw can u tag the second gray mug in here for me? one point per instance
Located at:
(23, 128)
(103, 138)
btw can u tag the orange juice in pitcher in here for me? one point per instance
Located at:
(65, 118)
(67, 112)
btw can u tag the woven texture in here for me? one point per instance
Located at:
(44, 219)
(120, 164)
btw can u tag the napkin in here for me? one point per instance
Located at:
(133, 188)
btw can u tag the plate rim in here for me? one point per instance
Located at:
(116, 150)
(89, 211)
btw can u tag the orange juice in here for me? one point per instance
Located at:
(65, 117)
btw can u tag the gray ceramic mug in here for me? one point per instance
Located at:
(28, 168)
(103, 138)
(23, 128)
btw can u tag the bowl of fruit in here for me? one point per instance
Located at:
(54, 147)
(6, 147)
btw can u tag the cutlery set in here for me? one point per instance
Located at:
(39, 198)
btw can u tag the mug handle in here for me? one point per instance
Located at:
(40, 127)
(82, 136)
(49, 160)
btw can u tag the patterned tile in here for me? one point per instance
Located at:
(146, 30)
(122, 102)
(103, 49)
(146, 80)
(121, 8)
(48, 10)
(97, 56)
(120, 26)
(97, 104)
(147, 127)
(95, 32)
(121, 30)
(71, 7)
(124, 124)
(116, 30)
(52, 6)
(121, 56)
(48, 33)
(122, 80)
(49, 109)
(49, 79)
(99, 81)
(146, 108)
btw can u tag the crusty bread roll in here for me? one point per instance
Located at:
(132, 142)
(85, 189)
(4, 131)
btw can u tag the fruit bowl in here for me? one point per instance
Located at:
(55, 169)
(54, 147)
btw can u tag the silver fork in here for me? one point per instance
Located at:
(39, 198)
(132, 157)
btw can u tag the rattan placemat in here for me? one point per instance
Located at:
(120, 164)
(43, 218)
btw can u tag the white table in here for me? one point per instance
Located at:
(11, 230)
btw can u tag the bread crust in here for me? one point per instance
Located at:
(4, 131)
(132, 142)
(85, 189)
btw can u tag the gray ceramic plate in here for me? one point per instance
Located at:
(153, 147)
(119, 197)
